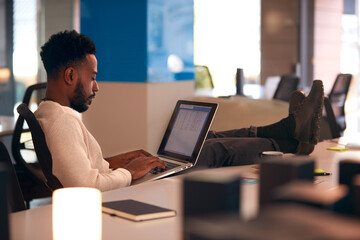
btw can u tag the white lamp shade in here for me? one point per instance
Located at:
(77, 214)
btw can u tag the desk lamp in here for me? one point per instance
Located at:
(77, 214)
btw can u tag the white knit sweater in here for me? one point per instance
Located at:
(77, 157)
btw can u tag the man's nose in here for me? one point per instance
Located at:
(96, 86)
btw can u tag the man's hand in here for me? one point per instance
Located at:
(120, 161)
(138, 167)
(135, 154)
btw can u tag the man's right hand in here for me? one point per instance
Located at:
(138, 167)
(121, 160)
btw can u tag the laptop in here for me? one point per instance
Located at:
(183, 139)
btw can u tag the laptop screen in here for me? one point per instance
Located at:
(187, 130)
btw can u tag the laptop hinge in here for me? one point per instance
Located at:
(172, 158)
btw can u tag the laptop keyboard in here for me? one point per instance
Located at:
(169, 165)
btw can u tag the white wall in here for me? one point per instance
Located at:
(129, 116)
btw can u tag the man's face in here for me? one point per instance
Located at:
(86, 85)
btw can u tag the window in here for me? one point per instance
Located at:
(227, 37)
(25, 55)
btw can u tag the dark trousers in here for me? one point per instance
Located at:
(233, 148)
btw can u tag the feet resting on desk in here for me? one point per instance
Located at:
(297, 133)
(307, 112)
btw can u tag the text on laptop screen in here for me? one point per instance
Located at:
(187, 128)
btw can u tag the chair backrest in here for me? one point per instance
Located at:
(17, 145)
(269, 88)
(287, 84)
(29, 93)
(203, 77)
(32, 179)
(41, 149)
(329, 128)
(337, 97)
(4, 206)
(15, 198)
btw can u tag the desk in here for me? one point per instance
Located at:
(329, 160)
(7, 124)
(240, 111)
(37, 223)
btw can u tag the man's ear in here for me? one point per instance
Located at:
(70, 75)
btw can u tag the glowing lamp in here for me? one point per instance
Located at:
(4, 75)
(77, 214)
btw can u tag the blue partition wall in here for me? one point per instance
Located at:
(141, 40)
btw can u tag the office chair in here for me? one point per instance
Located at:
(15, 198)
(203, 77)
(287, 84)
(30, 175)
(337, 98)
(4, 206)
(41, 149)
(329, 128)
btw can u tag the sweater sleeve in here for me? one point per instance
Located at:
(77, 157)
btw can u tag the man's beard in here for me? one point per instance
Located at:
(79, 101)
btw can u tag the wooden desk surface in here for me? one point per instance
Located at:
(37, 223)
(329, 160)
(240, 111)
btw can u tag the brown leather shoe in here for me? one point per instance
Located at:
(304, 148)
(296, 98)
(308, 115)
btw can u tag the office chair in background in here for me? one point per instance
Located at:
(41, 149)
(329, 128)
(4, 206)
(30, 175)
(287, 84)
(203, 78)
(337, 98)
(14, 195)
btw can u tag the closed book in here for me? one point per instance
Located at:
(135, 210)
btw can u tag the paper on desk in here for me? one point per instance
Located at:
(353, 145)
(339, 149)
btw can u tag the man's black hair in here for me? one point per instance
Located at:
(65, 49)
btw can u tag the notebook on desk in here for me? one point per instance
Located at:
(183, 139)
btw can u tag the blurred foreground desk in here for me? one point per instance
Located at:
(37, 223)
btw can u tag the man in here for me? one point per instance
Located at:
(71, 66)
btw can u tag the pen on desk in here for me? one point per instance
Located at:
(322, 174)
